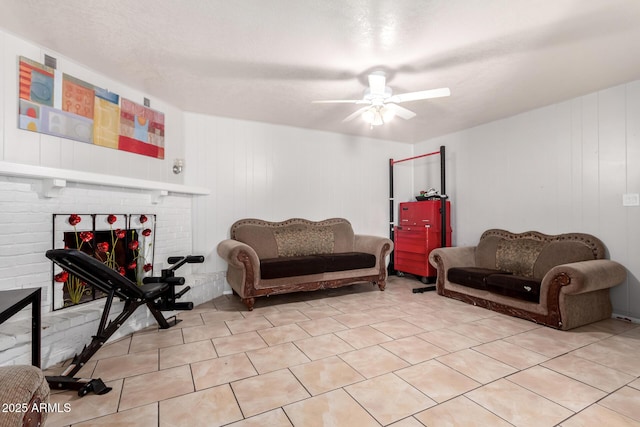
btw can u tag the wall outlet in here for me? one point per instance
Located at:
(631, 199)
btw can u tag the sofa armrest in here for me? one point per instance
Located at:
(372, 244)
(230, 249)
(446, 258)
(240, 275)
(586, 276)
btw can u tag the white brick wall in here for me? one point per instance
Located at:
(26, 234)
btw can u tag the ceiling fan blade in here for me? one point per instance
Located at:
(423, 94)
(377, 82)
(337, 101)
(355, 114)
(401, 112)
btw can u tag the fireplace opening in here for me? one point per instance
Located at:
(124, 242)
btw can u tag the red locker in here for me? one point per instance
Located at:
(417, 235)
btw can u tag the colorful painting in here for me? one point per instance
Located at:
(36, 82)
(77, 97)
(106, 120)
(66, 125)
(58, 104)
(141, 129)
(36, 91)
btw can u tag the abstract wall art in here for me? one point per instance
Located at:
(58, 104)
(141, 129)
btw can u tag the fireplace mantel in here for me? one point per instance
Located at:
(53, 180)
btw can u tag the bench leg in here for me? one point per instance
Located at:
(382, 284)
(162, 322)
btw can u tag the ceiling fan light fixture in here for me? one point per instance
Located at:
(383, 104)
(377, 115)
(372, 116)
(387, 114)
(369, 115)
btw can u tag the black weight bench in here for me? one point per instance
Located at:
(157, 293)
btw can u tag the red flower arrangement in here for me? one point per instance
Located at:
(140, 249)
(61, 277)
(75, 287)
(83, 236)
(74, 219)
(105, 251)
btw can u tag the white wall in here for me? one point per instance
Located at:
(271, 172)
(26, 216)
(253, 170)
(557, 169)
(20, 146)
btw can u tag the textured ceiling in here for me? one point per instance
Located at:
(267, 60)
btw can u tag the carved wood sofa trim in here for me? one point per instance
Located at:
(552, 318)
(243, 257)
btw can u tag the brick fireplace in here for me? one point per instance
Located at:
(27, 232)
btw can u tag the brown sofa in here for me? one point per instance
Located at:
(267, 258)
(560, 281)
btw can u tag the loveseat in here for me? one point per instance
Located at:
(560, 281)
(267, 258)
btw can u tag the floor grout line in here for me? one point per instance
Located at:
(390, 317)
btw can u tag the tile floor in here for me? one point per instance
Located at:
(360, 357)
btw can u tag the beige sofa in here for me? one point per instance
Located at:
(560, 281)
(24, 395)
(267, 258)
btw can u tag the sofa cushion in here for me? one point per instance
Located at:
(343, 236)
(501, 249)
(472, 277)
(524, 288)
(348, 261)
(558, 253)
(274, 268)
(518, 256)
(486, 251)
(259, 237)
(303, 240)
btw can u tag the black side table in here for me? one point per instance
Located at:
(14, 300)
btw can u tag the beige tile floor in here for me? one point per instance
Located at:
(360, 357)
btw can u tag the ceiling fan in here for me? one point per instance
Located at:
(380, 103)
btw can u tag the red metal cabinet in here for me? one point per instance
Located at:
(425, 213)
(417, 235)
